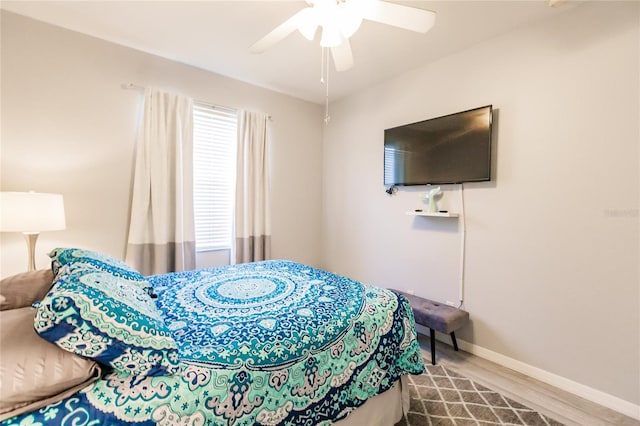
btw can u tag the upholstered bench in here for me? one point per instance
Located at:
(437, 317)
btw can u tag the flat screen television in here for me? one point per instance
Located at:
(453, 148)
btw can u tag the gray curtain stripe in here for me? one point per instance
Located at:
(153, 259)
(251, 249)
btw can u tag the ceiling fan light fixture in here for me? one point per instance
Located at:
(331, 35)
(339, 20)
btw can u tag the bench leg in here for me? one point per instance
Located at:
(432, 336)
(453, 339)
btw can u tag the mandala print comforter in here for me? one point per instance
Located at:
(268, 343)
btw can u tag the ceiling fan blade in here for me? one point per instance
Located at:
(342, 56)
(397, 15)
(279, 33)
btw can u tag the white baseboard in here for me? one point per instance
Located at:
(613, 402)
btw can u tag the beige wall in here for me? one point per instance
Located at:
(552, 242)
(69, 127)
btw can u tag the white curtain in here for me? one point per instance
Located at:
(161, 232)
(252, 211)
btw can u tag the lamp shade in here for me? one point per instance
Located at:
(31, 212)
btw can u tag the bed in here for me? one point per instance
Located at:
(265, 343)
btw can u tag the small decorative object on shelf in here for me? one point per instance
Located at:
(431, 198)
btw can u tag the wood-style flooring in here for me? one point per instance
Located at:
(558, 404)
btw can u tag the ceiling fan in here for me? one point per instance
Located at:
(340, 19)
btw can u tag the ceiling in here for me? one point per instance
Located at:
(216, 35)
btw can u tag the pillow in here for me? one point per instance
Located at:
(103, 317)
(65, 256)
(21, 290)
(33, 372)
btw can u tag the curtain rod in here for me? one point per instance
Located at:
(132, 86)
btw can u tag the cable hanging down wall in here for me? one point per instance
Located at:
(463, 240)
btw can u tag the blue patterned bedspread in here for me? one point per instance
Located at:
(272, 342)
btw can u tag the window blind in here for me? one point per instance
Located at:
(214, 168)
(389, 165)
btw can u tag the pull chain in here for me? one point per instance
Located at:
(322, 65)
(324, 79)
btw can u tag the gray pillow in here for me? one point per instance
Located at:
(34, 372)
(21, 290)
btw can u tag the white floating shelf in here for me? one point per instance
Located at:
(434, 214)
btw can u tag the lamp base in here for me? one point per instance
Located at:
(31, 238)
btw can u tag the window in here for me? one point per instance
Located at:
(214, 168)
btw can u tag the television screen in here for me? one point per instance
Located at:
(454, 148)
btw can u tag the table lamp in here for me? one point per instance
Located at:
(31, 213)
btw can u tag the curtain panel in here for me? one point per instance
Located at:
(252, 210)
(161, 231)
